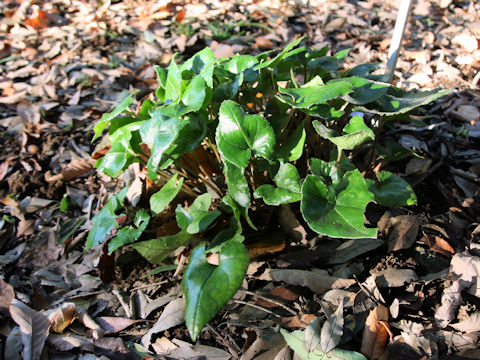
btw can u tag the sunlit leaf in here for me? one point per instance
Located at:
(288, 187)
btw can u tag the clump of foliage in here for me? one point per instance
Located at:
(236, 136)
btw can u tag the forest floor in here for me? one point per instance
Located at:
(66, 62)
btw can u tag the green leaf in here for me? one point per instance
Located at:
(106, 118)
(356, 133)
(156, 250)
(114, 161)
(174, 82)
(202, 63)
(239, 134)
(393, 151)
(160, 132)
(105, 220)
(392, 191)
(397, 101)
(364, 91)
(337, 210)
(293, 148)
(237, 184)
(296, 341)
(309, 95)
(160, 200)
(64, 203)
(237, 209)
(240, 63)
(194, 94)
(208, 288)
(198, 217)
(288, 188)
(130, 234)
(282, 55)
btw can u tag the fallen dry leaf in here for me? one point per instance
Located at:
(376, 334)
(404, 232)
(74, 169)
(438, 244)
(33, 326)
(295, 322)
(7, 294)
(113, 324)
(283, 292)
(61, 317)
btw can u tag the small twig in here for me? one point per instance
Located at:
(269, 300)
(224, 341)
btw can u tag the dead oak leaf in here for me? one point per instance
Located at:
(376, 334)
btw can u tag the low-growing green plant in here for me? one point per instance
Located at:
(237, 136)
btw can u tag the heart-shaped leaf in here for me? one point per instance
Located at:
(159, 132)
(106, 118)
(207, 287)
(105, 220)
(156, 250)
(356, 133)
(237, 184)
(160, 200)
(198, 217)
(239, 134)
(392, 191)
(202, 63)
(293, 148)
(337, 210)
(288, 188)
(130, 234)
(314, 94)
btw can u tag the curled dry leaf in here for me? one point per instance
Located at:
(61, 317)
(438, 244)
(74, 169)
(404, 233)
(7, 294)
(376, 334)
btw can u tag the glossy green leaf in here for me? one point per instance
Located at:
(337, 210)
(237, 209)
(174, 82)
(364, 91)
(194, 94)
(237, 184)
(115, 161)
(282, 55)
(106, 118)
(296, 341)
(159, 132)
(238, 134)
(288, 188)
(198, 217)
(398, 101)
(207, 287)
(106, 220)
(292, 149)
(160, 200)
(392, 191)
(157, 250)
(356, 133)
(314, 94)
(232, 233)
(130, 234)
(202, 63)
(240, 63)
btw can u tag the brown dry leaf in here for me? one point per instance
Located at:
(262, 42)
(4, 166)
(316, 280)
(376, 334)
(404, 233)
(39, 19)
(221, 50)
(74, 169)
(282, 292)
(61, 317)
(261, 248)
(291, 322)
(25, 227)
(113, 324)
(290, 225)
(438, 244)
(7, 294)
(180, 15)
(163, 346)
(202, 159)
(33, 326)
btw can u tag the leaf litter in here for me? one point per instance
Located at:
(67, 63)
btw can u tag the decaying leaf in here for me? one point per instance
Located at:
(332, 330)
(73, 170)
(33, 326)
(61, 317)
(7, 294)
(404, 232)
(469, 325)
(316, 280)
(376, 334)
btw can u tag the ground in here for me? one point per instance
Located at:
(412, 294)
